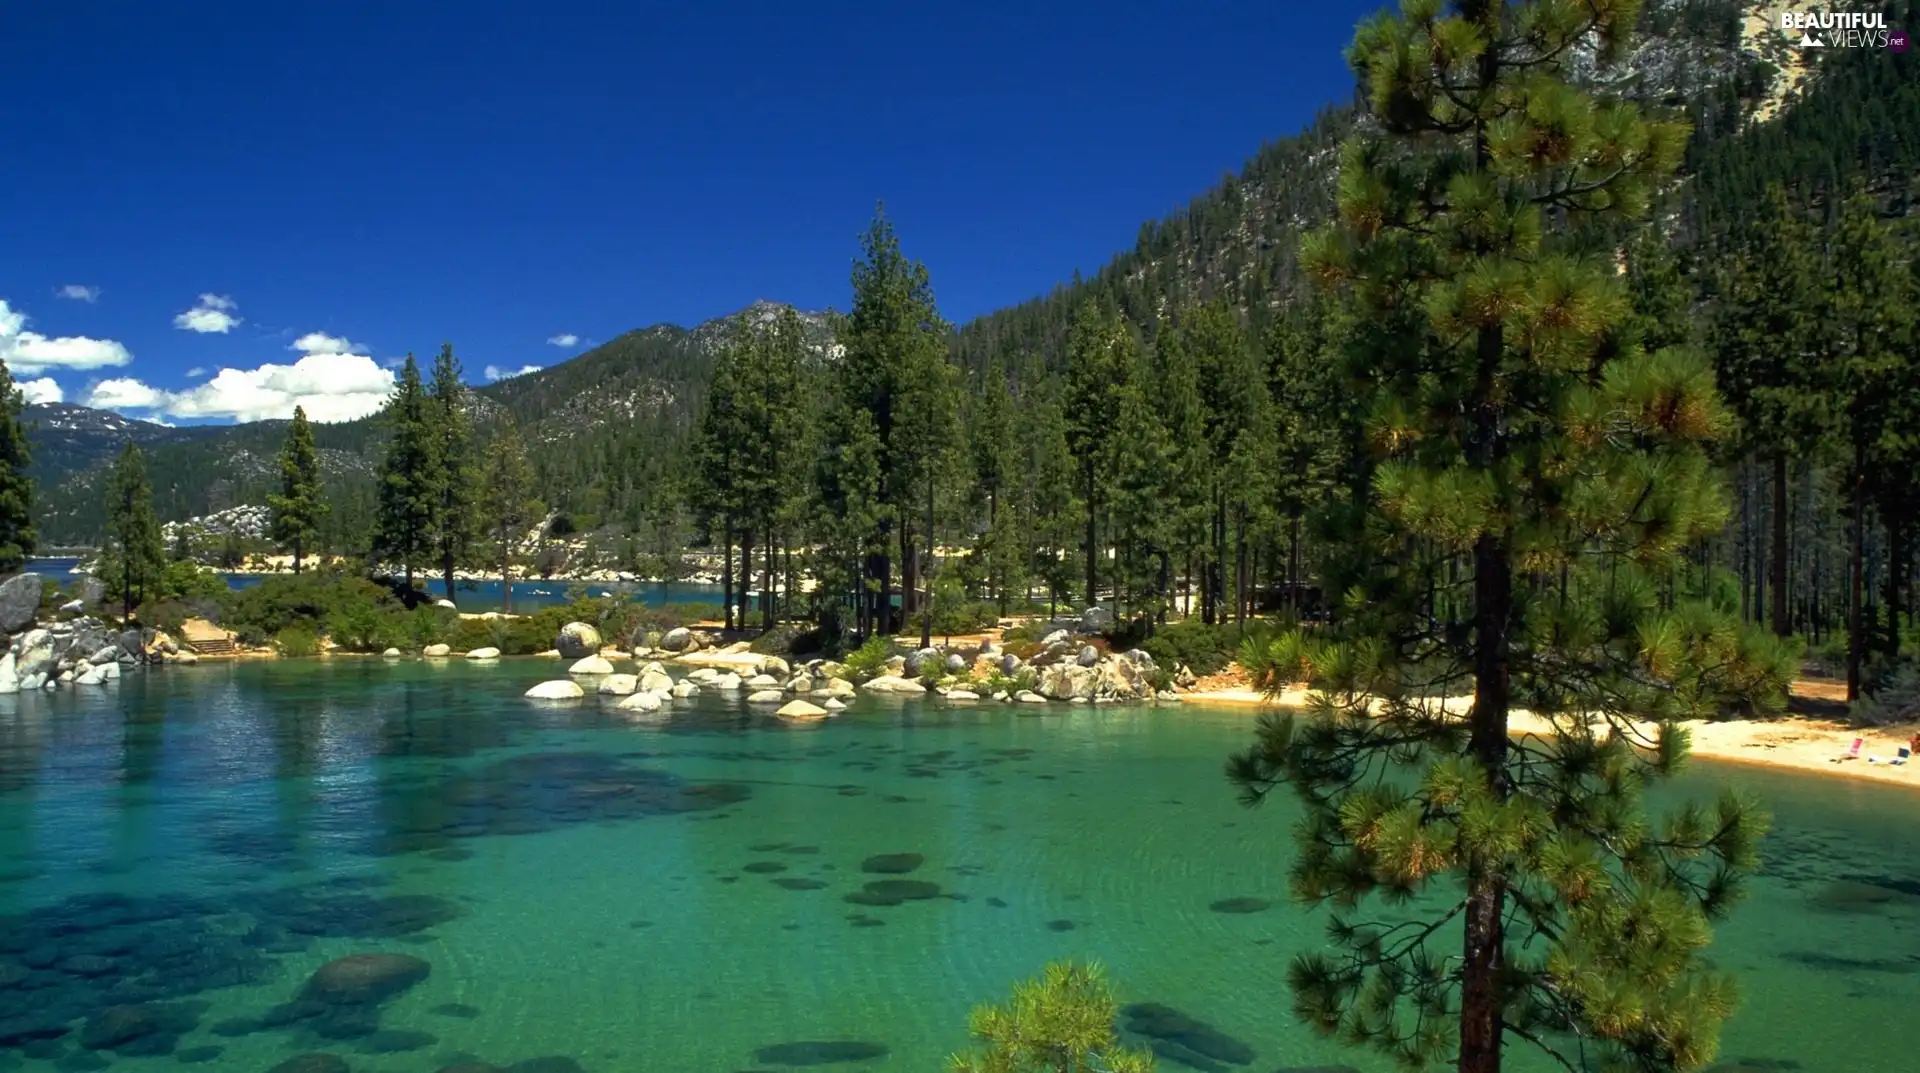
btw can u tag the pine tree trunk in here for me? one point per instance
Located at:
(1240, 569)
(926, 619)
(1777, 552)
(1293, 565)
(746, 573)
(1857, 567)
(726, 573)
(1481, 1026)
(506, 571)
(1093, 548)
(1896, 552)
(766, 587)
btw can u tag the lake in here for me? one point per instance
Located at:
(675, 897)
(475, 596)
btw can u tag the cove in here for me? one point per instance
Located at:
(554, 888)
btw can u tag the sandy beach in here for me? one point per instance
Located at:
(1795, 742)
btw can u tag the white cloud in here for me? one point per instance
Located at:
(196, 372)
(322, 343)
(213, 314)
(331, 387)
(564, 339)
(41, 390)
(393, 363)
(123, 393)
(31, 352)
(79, 292)
(495, 372)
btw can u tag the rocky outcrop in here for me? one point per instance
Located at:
(577, 640)
(19, 599)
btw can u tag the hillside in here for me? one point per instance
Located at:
(606, 425)
(586, 419)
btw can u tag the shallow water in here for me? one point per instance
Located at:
(201, 839)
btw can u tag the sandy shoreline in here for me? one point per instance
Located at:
(1794, 743)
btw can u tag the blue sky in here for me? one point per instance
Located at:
(211, 211)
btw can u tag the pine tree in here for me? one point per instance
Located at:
(1189, 468)
(1100, 350)
(1863, 339)
(991, 462)
(1059, 1022)
(298, 509)
(409, 493)
(720, 487)
(452, 474)
(1510, 428)
(17, 539)
(135, 557)
(1142, 526)
(1763, 337)
(892, 339)
(506, 486)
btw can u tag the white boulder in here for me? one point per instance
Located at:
(484, 653)
(437, 650)
(619, 685)
(559, 690)
(800, 709)
(591, 665)
(893, 683)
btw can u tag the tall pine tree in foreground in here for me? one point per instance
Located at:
(1532, 482)
(16, 488)
(298, 508)
(135, 556)
(409, 496)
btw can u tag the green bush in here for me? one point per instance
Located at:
(1206, 649)
(310, 599)
(870, 658)
(297, 641)
(168, 615)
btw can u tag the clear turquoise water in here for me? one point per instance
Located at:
(613, 893)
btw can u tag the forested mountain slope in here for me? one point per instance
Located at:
(599, 426)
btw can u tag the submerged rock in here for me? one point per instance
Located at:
(800, 709)
(365, 979)
(315, 1062)
(819, 1052)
